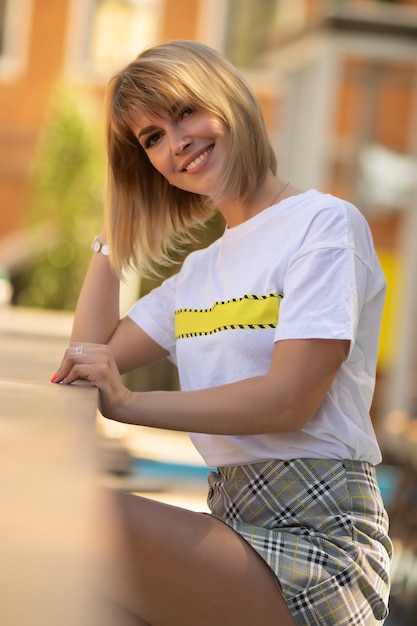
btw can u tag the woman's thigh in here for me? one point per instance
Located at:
(175, 567)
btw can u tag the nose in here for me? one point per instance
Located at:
(179, 141)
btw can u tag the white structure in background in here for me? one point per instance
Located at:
(387, 179)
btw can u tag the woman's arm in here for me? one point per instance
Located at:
(283, 400)
(97, 312)
(97, 319)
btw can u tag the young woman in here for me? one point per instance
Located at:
(274, 329)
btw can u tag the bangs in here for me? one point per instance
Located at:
(153, 93)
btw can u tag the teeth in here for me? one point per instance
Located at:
(196, 161)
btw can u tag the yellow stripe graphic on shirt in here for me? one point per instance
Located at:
(248, 312)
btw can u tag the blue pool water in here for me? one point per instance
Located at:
(172, 471)
(388, 477)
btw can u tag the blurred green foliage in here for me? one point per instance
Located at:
(67, 197)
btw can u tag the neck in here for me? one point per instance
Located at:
(272, 190)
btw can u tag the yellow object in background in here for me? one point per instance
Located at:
(392, 266)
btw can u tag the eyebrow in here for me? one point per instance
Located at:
(146, 131)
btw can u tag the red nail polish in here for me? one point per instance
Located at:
(54, 377)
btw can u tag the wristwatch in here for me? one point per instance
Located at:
(97, 246)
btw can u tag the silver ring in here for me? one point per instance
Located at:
(79, 350)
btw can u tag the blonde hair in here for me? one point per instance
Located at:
(146, 217)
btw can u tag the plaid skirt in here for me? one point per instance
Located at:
(321, 527)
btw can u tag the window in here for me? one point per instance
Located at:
(113, 32)
(15, 19)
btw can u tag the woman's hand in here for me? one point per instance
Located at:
(94, 363)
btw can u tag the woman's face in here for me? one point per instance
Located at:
(188, 147)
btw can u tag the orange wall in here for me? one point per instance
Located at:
(22, 106)
(181, 19)
(394, 83)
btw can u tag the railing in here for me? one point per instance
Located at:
(49, 496)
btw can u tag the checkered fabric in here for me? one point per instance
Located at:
(322, 528)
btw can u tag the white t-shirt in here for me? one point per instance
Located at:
(304, 268)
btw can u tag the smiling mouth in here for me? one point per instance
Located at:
(198, 160)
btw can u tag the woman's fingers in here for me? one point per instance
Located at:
(81, 360)
(94, 363)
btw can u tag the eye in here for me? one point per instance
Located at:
(151, 140)
(185, 111)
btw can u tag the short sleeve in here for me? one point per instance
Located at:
(155, 314)
(324, 290)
